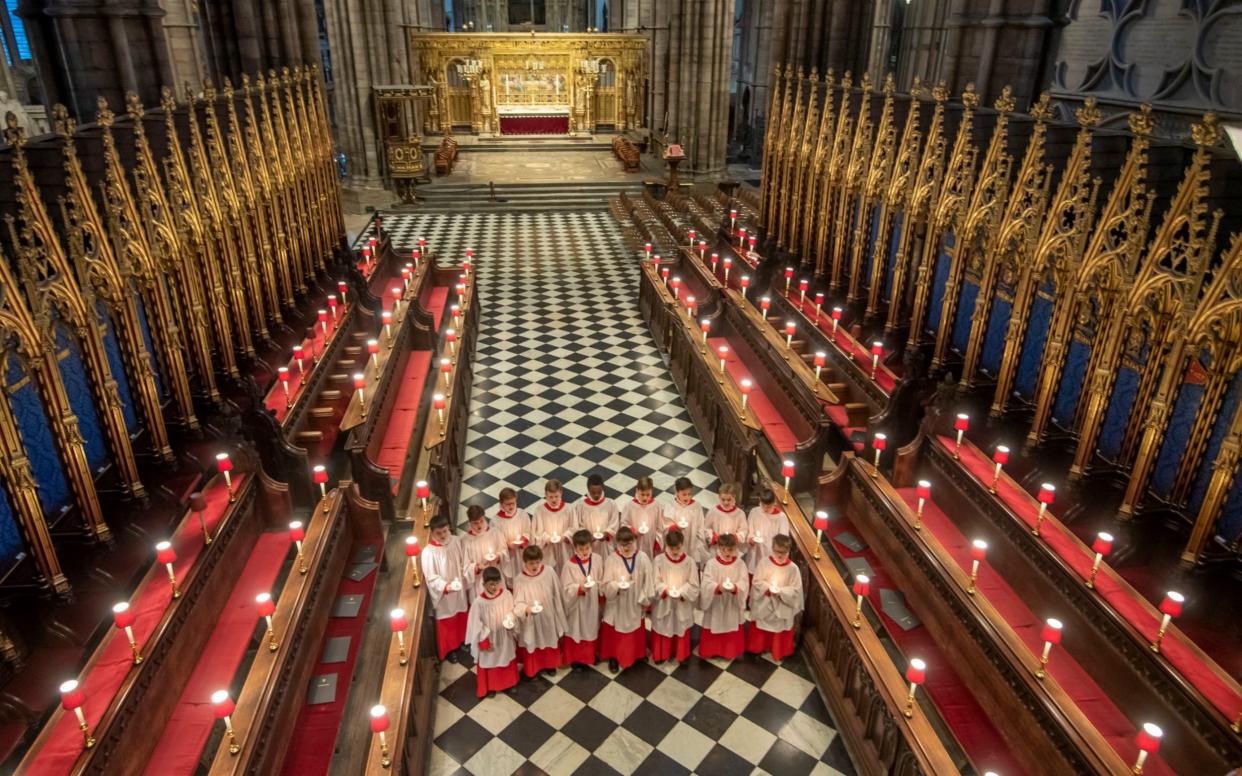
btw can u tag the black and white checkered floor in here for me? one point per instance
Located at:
(568, 383)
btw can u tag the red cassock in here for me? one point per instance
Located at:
(665, 647)
(626, 648)
(451, 633)
(583, 652)
(780, 644)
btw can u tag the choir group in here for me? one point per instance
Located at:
(570, 584)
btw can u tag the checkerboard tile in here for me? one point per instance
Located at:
(568, 383)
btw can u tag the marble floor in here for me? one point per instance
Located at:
(568, 383)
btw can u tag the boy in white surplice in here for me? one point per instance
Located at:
(448, 587)
(581, 587)
(598, 514)
(775, 600)
(552, 523)
(764, 523)
(677, 595)
(642, 516)
(723, 590)
(489, 632)
(628, 585)
(537, 603)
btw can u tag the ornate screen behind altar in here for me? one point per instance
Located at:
(522, 84)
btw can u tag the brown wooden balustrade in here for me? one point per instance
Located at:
(272, 696)
(731, 439)
(1142, 684)
(418, 333)
(863, 689)
(1043, 727)
(150, 691)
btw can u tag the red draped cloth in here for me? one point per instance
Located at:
(665, 647)
(626, 648)
(534, 125)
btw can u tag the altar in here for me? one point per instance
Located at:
(510, 84)
(531, 120)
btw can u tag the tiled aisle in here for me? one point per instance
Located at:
(568, 383)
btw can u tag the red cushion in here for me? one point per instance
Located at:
(775, 428)
(403, 414)
(434, 301)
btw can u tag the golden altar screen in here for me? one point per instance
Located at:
(523, 84)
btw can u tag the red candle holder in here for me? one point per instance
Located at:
(861, 589)
(916, 674)
(1051, 634)
(1047, 494)
(1170, 607)
(266, 608)
(1000, 457)
(72, 698)
(820, 524)
(123, 619)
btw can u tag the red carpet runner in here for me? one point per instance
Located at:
(104, 678)
(314, 738)
(182, 740)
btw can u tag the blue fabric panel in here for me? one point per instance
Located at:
(1229, 524)
(1181, 422)
(145, 325)
(1071, 383)
(1228, 407)
(893, 243)
(77, 385)
(965, 316)
(11, 542)
(994, 337)
(1030, 361)
(870, 249)
(1113, 429)
(117, 365)
(36, 434)
(939, 279)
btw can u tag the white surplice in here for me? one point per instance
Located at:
(639, 516)
(689, 519)
(762, 526)
(722, 611)
(582, 601)
(474, 551)
(672, 612)
(542, 629)
(442, 571)
(515, 527)
(598, 517)
(486, 623)
(623, 608)
(720, 522)
(553, 531)
(775, 611)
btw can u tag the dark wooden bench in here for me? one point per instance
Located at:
(446, 156)
(626, 153)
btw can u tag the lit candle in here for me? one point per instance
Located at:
(787, 471)
(438, 402)
(1148, 741)
(282, 374)
(223, 707)
(705, 326)
(862, 588)
(1000, 457)
(820, 524)
(790, 328)
(878, 443)
(923, 492)
(789, 273)
(224, 465)
(332, 305)
(745, 386)
(647, 249)
(702, 248)
(1051, 634)
(692, 233)
(916, 673)
(123, 618)
(765, 303)
(299, 353)
(360, 385)
(412, 550)
(961, 424)
(379, 726)
(744, 282)
(732, 220)
(446, 369)
(803, 285)
(296, 534)
(323, 321)
(723, 352)
(266, 608)
(423, 491)
(71, 698)
(1170, 607)
(1047, 494)
(319, 473)
(836, 319)
(398, 623)
(450, 337)
(386, 317)
(715, 261)
(728, 265)
(690, 306)
(978, 549)
(1102, 546)
(373, 348)
(877, 350)
(819, 302)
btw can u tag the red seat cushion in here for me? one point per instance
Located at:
(775, 427)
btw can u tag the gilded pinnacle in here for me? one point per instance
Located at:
(1207, 132)
(889, 84)
(1005, 103)
(940, 92)
(133, 106)
(1088, 115)
(61, 120)
(970, 98)
(1141, 123)
(1041, 110)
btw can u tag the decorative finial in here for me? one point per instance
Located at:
(940, 92)
(1207, 132)
(1041, 110)
(133, 106)
(890, 84)
(1088, 115)
(1141, 123)
(104, 116)
(970, 98)
(1005, 103)
(62, 122)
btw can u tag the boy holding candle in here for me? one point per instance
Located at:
(514, 525)
(442, 569)
(552, 524)
(482, 547)
(581, 579)
(598, 514)
(723, 590)
(489, 632)
(628, 586)
(764, 523)
(726, 518)
(537, 603)
(775, 600)
(686, 515)
(642, 516)
(677, 591)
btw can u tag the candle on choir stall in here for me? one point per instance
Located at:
(821, 358)
(923, 492)
(803, 285)
(861, 589)
(282, 374)
(879, 443)
(819, 302)
(820, 524)
(877, 350)
(332, 305)
(1148, 741)
(1102, 546)
(916, 674)
(745, 386)
(439, 403)
(123, 619)
(446, 369)
(296, 534)
(744, 282)
(1051, 634)
(224, 465)
(978, 550)
(836, 319)
(360, 385)
(1047, 494)
(166, 556)
(1000, 457)
(723, 352)
(386, 318)
(319, 474)
(961, 424)
(1170, 607)
(728, 265)
(789, 273)
(765, 303)
(787, 471)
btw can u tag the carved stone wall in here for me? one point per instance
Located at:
(1182, 56)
